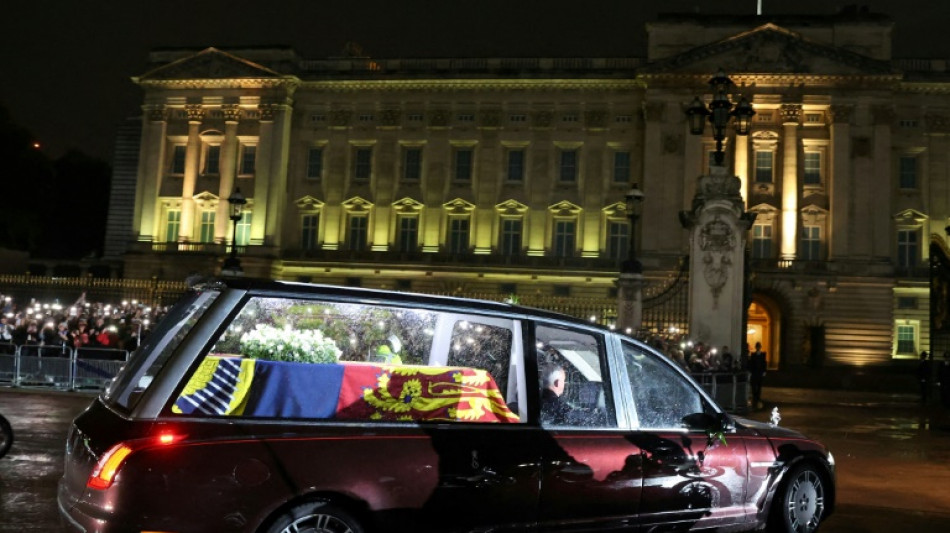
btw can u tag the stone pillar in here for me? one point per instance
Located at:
(265, 142)
(741, 166)
(718, 226)
(791, 116)
(227, 170)
(840, 181)
(150, 172)
(880, 178)
(192, 159)
(277, 182)
(630, 302)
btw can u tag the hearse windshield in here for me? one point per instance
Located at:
(145, 363)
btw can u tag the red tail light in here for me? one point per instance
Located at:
(110, 462)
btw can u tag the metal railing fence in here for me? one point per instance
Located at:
(59, 367)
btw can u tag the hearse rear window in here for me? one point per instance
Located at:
(307, 359)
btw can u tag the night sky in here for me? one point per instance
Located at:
(65, 64)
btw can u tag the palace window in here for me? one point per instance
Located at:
(362, 164)
(568, 166)
(411, 164)
(207, 226)
(565, 238)
(457, 238)
(248, 159)
(618, 240)
(810, 243)
(509, 242)
(908, 172)
(172, 225)
(213, 159)
(906, 339)
(908, 248)
(357, 233)
(243, 235)
(763, 166)
(463, 159)
(812, 168)
(315, 163)
(178, 159)
(515, 165)
(407, 237)
(517, 118)
(621, 167)
(309, 231)
(762, 241)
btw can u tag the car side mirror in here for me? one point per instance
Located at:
(709, 424)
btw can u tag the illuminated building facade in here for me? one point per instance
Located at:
(508, 175)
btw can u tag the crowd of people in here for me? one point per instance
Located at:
(693, 356)
(81, 324)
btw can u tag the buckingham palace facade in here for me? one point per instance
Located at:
(509, 175)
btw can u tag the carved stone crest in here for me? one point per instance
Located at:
(717, 240)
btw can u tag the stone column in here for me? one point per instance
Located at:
(150, 172)
(265, 142)
(196, 114)
(277, 182)
(741, 166)
(883, 237)
(227, 170)
(718, 227)
(840, 181)
(791, 116)
(630, 302)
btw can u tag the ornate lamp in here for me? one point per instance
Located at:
(236, 202)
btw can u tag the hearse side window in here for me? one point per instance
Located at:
(135, 377)
(320, 360)
(662, 396)
(574, 380)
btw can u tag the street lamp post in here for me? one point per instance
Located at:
(719, 113)
(630, 282)
(232, 265)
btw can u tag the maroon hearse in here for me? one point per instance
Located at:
(281, 407)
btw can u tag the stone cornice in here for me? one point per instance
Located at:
(455, 85)
(700, 82)
(288, 82)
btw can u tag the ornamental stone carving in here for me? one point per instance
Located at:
(490, 118)
(542, 119)
(791, 113)
(717, 240)
(596, 119)
(195, 112)
(937, 123)
(390, 117)
(231, 112)
(439, 118)
(157, 114)
(340, 118)
(268, 111)
(840, 113)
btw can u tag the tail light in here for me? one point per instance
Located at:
(109, 464)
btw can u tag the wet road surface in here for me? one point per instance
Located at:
(893, 457)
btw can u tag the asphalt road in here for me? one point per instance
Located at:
(893, 457)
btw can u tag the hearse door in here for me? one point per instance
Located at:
(692, 477)
(591, 469)
(488, 474)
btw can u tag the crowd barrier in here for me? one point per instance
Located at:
(59, 367)
(730, 389)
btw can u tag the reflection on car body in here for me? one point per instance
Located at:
(277, 407)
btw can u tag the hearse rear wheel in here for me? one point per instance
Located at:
(800, 503)
(316, 517)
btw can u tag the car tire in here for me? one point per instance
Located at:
(6, 436)
(315, 517)
(799, 504)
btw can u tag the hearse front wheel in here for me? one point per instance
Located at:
(315, 517)
(800, 504)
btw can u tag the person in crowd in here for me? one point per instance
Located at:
(924, 374)
(758, 364)
(943, 379)
(727, 361)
